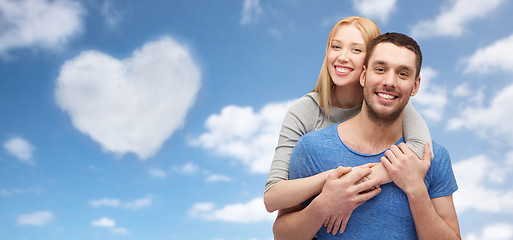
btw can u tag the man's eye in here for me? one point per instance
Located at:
(403, 74)
(379, 69)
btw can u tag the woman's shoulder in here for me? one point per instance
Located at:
(306, 104)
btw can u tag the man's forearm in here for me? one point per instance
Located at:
(296, 225)
(428, 222)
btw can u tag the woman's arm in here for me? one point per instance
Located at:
(289, 193)
(415, 131)
(280, 193)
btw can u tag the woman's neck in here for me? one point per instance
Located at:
(347, 97)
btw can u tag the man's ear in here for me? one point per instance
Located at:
(362, 76)
(416, 87)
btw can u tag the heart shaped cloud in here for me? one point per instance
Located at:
(132, 105)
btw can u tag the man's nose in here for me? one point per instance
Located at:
(389, 79)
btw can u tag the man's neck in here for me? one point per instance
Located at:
(366, 135)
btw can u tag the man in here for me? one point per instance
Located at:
(418, 204)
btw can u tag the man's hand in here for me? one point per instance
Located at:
(405, 168)
(342, 193)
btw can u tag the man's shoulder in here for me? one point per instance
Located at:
(440, 151)
(319, 140)
(442, 158)
(325, 133)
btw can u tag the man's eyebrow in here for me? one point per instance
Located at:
(378, 62)
(406, 68)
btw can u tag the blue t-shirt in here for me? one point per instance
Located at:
(387, 215)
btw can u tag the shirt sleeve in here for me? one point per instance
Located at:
(415, 131)
(440, 178)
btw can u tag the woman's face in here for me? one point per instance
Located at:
(346, 56)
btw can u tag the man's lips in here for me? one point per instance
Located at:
(387, 97)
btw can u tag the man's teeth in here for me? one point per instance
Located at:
(386, 96)
(343, 69)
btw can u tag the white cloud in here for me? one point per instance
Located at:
(462, 90)
(138, 203)
(114, 202)
(251, 11)
(218, 178)
(474, 175)
(16, 191)
(109, 223)
(42, 23)
(157, 173)
(133, 105)
(120, 231)
(276, 33)
(490, 122)
(248, 136)
(109, 12)
(37, 218)
(252, 211)
(105, 202)
(188, 168)
(431, 98)
(21, 149)
(498, 56)
(375, 8)
(496, 231)
(104, 222)
(452, 19)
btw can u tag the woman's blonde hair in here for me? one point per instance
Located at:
(325, 85)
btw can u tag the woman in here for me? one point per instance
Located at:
(337, 96)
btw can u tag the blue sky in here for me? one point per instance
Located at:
(158, 119)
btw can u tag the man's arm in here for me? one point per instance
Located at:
(298, 222)
(434, 218)
(339, 197)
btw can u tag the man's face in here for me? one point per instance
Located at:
(389, 81)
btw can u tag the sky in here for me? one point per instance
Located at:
(124, 119)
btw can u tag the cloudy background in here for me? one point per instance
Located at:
(157, 119)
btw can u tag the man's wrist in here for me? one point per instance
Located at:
(316, 209)
(414, 191)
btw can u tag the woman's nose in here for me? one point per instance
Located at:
(343, 57)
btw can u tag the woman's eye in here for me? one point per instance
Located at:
(357, 50)
(335, 47)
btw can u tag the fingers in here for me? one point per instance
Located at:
(368, 185)
(396, 151)
(427, 152)
(331, 224)
(327, 222)
(344, 223)
(357, 174)
(386, 162)
(339, 172)
(336, 226)
(408, 152)
(368, 195)
(369, 165)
